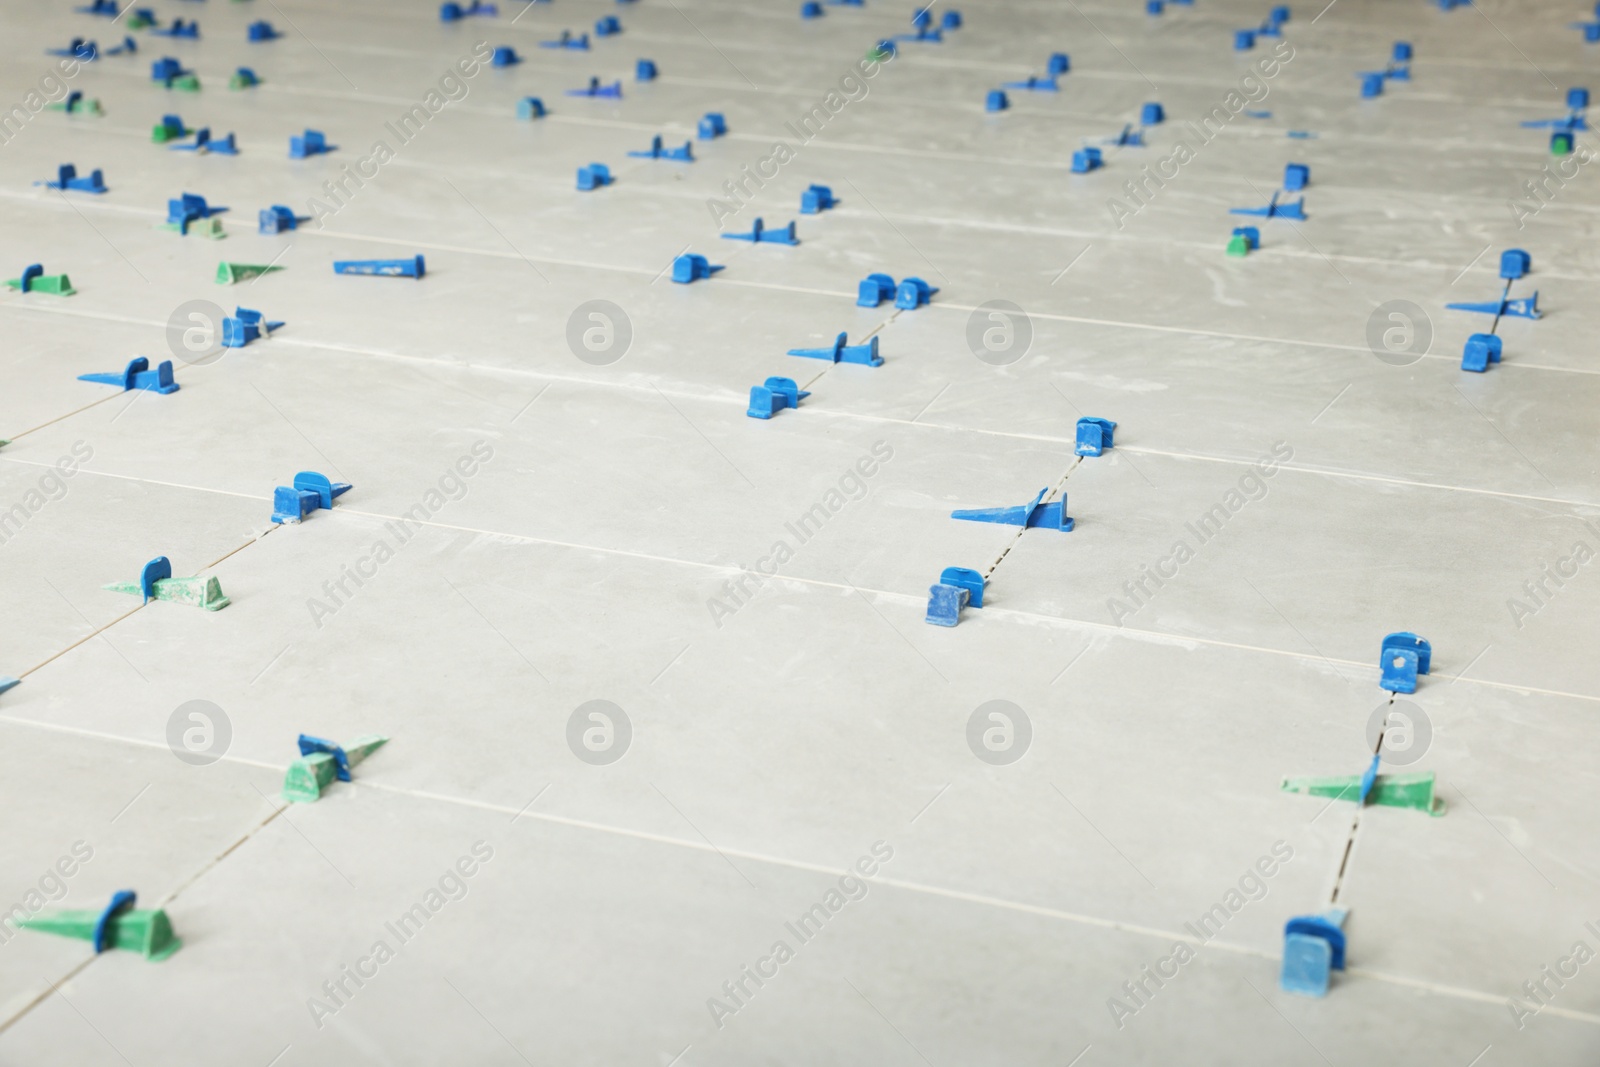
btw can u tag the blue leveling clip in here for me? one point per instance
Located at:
(607, 27)
(128, 47)
(309, 492)
(1094, 435)
(67, 178)
(759, 234)
(277, 218)
(690, 268)
(77, 49)
(450, 12)
(1313, 946)
(817, 199)
(1051, 516)
(165, 69)
(645, 70)
(415, 267)
(1058, 63)
(504, 56)
(1152, 114)
(158, 569)
(1514, 263)
(189, 208)
(912, 293)
(530, 107)
(1296, 176)
(1034, 84)
(958, 587)
(244, 326)
(1244, 40)
(1274, 210)
(138, 375)
(843, 353)
(594, 176)
(121, 901)
(1401, 658)
(596, 90)
(578, 43)
(950, 21)
(1127, 137)
(769, 399)
(1481, 350)
(712, 125)
(874, 290)
(811, 10)
(655, 151)
(244, 78)
(262, 31)
(1086, 159)
(310, 143)
(1250, 238)
(108, 8)
(179, 28)
(996, 100)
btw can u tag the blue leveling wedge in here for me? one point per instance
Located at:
(759, 234)
(1274, 210)
(138, 375)
(1051, 516)
(309, 492)
(414, 267)
(843, 353)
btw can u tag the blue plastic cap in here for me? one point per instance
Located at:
(1059, 63)
(811, 10)
(1402, 51)
(1154, 7)
(966, 578)
(530, 107)
(1514, 263)
(996, 100)
(951, 20)
(449, 12)
(1371, 85)
(1280, 14)
(1577, 99)
(645, 70)
(1152, 114)
(1481, 350)
(1095, 435)
(1296, 176)
(1244, 40)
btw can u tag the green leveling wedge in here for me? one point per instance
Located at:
(35, 280)
(321, 762)
(229, 273)
(157, 583)
(1390, 790)
(118, 925)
